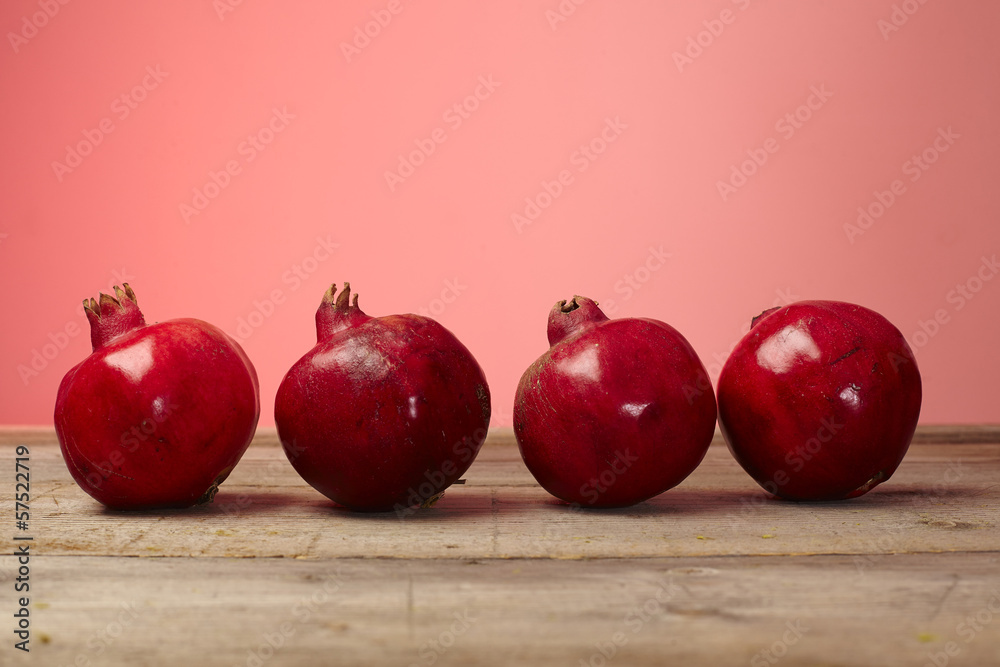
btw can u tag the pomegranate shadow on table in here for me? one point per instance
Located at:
(672, 502)
(229, 503)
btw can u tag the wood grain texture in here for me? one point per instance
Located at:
(819, 610)
(724, 571)
(941, 499)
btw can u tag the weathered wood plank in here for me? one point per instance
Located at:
(943, 498)
(712, 572)
(957, 434)
(820, 610)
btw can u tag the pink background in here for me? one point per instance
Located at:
(893, 78)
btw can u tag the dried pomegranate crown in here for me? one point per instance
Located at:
(340, 301)
(111, 316)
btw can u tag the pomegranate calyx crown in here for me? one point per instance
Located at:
(570, 317)
(569, 306)
(337, 312)
(341, 301)
(106, 305)
(112, 316)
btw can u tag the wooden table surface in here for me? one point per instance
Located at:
(712, 572)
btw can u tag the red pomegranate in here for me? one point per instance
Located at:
(819, 400)
(616, 411)
(158, 415)
(384, 413)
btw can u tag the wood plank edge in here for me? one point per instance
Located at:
(574, 557)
